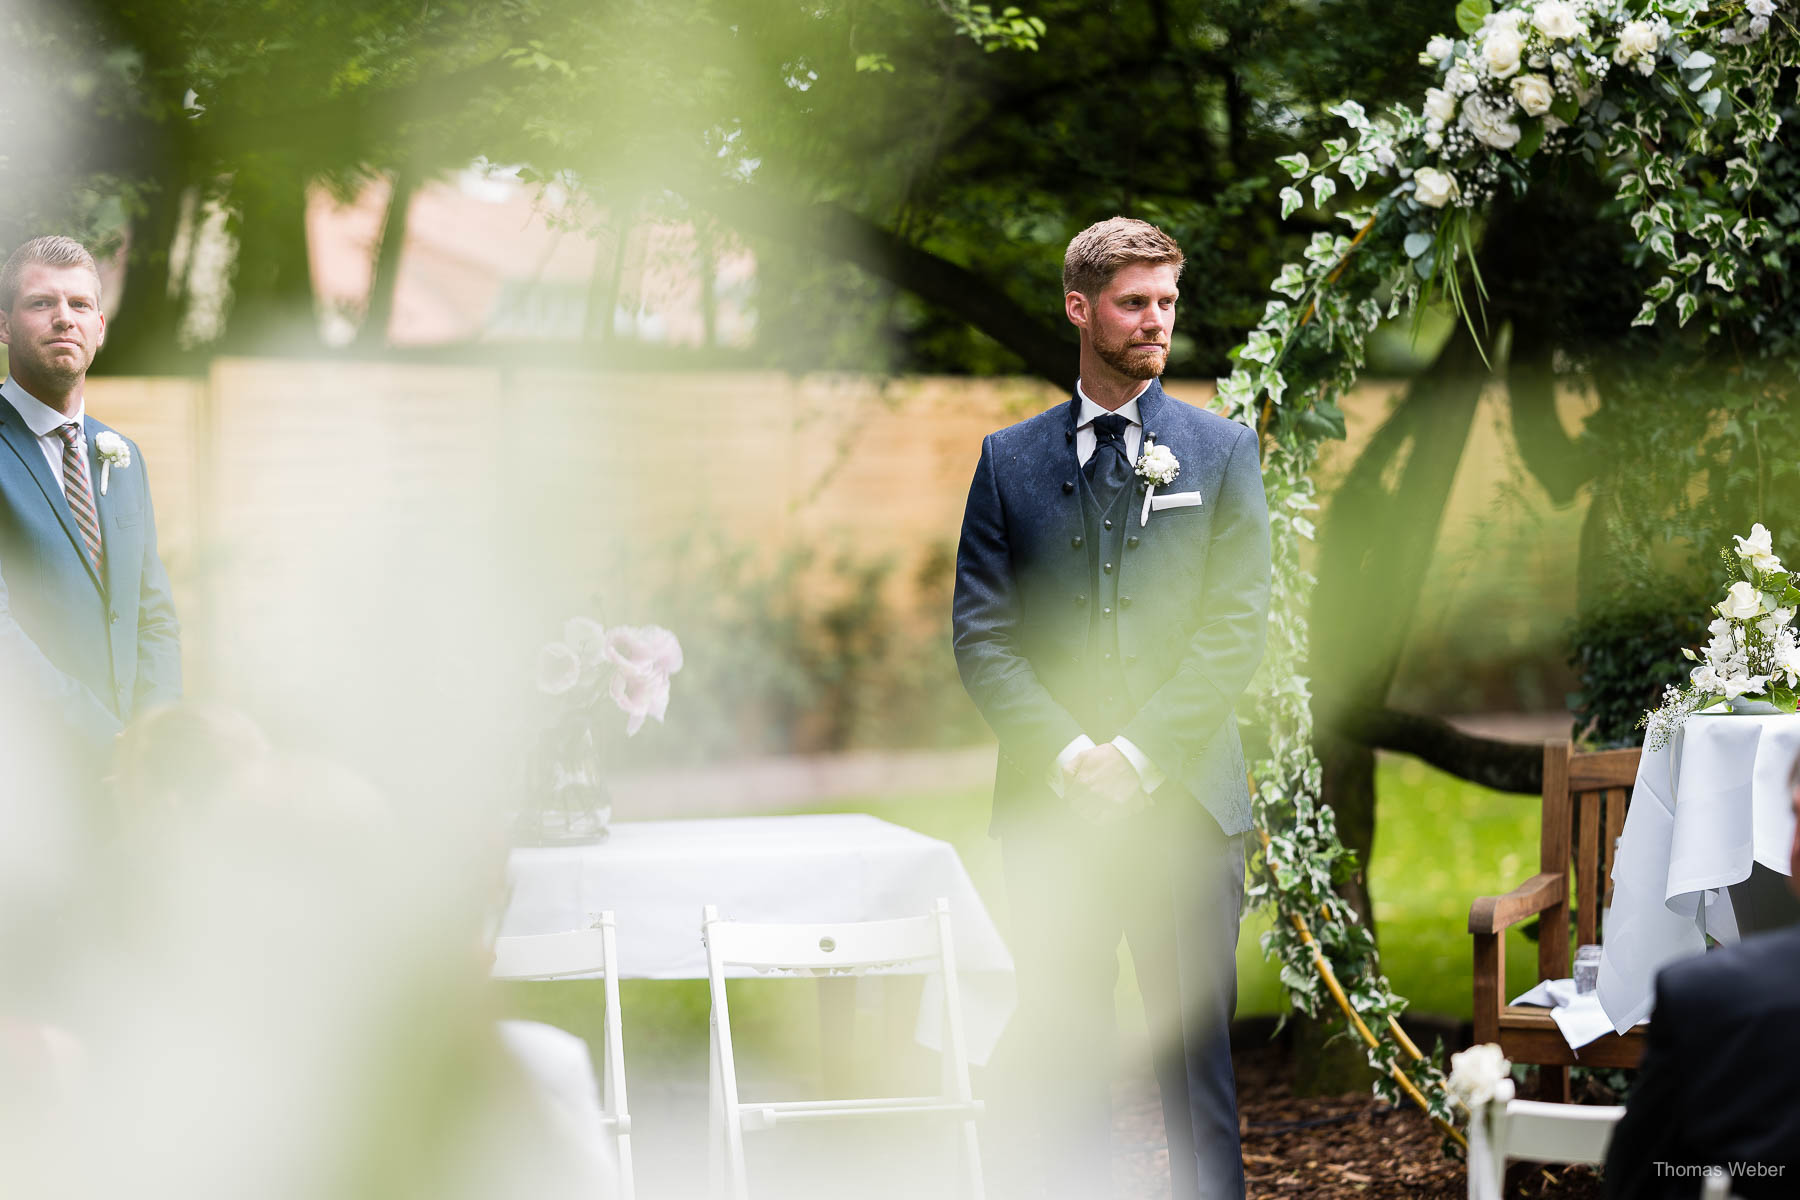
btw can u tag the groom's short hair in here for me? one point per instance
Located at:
(44, 251)
(1098, 252)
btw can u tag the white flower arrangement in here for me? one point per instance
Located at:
(1158, 466)
(629, 664)
(1753, 651)
(590, 671)
(114, 451)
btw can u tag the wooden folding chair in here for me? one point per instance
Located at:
(837, 949)
(576, 954)
(1585, 796)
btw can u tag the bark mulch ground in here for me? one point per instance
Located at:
(1319, 1148)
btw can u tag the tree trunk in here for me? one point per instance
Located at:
(1374, 549)
(380, 310)
(272, 308)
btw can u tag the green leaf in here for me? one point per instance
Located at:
(1531, 136)
(1565, 109)
(1291, 202)
(1297, 165)
(1685, 306)
(1470, 14)
(1417, 244)
(1324, 187)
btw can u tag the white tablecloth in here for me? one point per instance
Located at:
(1703, 809)
(657, 875)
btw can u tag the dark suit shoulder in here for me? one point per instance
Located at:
(1052, 420)
(1206, 421)
(1759, 976)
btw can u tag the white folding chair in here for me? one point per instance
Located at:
(1534, 1131)
(841, 949)
(1717, 1187)
(582, 952)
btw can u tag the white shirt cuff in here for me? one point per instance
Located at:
(1148, 773)
(1064, 766)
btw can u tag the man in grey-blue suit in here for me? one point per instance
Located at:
(1111, 599)
(88, 633)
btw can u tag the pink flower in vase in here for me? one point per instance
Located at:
(647, 649)
(639, 694)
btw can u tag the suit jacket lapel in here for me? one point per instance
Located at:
(14, 433)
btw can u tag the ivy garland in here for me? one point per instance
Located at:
(1673, 103)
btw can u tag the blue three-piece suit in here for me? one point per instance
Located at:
(1074, 615)
(85, 649)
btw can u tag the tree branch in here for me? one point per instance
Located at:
(1503, 766)
(1048, 353)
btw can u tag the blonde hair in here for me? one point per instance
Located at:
(44, 251)
(1098, 253)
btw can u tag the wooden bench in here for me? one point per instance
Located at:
(1585, 796)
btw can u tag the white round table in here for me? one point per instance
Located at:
(1704, 809)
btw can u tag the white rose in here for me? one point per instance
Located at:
(1458, 82)
(1743, 602)
(1758, 549)
(1706, 678)
(1533, 94)
(1760, 8)
(1635, 39)
(113, 448)
(1440, 105)
(1646, 65)
(1481, 1074)
(1433, 187)
(1743, 685)
(1489, 124)
(1559, 62)
(1501, 51)
(1557, 20)
(1433, 139)
(1441, 47)
(639, 694)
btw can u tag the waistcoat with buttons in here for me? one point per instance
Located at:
(1105, 532)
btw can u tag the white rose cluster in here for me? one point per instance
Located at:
(1752, 648)
(629, 664)
(1481, 1075)
(1158, 465)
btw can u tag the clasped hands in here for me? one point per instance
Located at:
(1102, 787)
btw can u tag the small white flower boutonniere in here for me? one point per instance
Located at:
(114, 451)
(1157, 466)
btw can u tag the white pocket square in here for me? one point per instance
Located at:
(1162, 500)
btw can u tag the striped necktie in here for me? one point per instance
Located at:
(80, 494)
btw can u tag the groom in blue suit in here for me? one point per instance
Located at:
(1112, 588)
(88, 635)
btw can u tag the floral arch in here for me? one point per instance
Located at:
(1673, 103)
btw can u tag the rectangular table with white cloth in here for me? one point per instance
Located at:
(656, 876)
(1704, 809)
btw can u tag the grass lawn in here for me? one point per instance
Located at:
(1439, 843)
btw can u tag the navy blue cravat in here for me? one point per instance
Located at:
(1109, 468)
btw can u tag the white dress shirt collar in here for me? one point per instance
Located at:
(1090, 410)
(39, 417)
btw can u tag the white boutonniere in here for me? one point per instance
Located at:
(1157, 466)
(114, 451)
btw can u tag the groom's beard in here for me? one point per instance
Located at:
(1133, 361)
